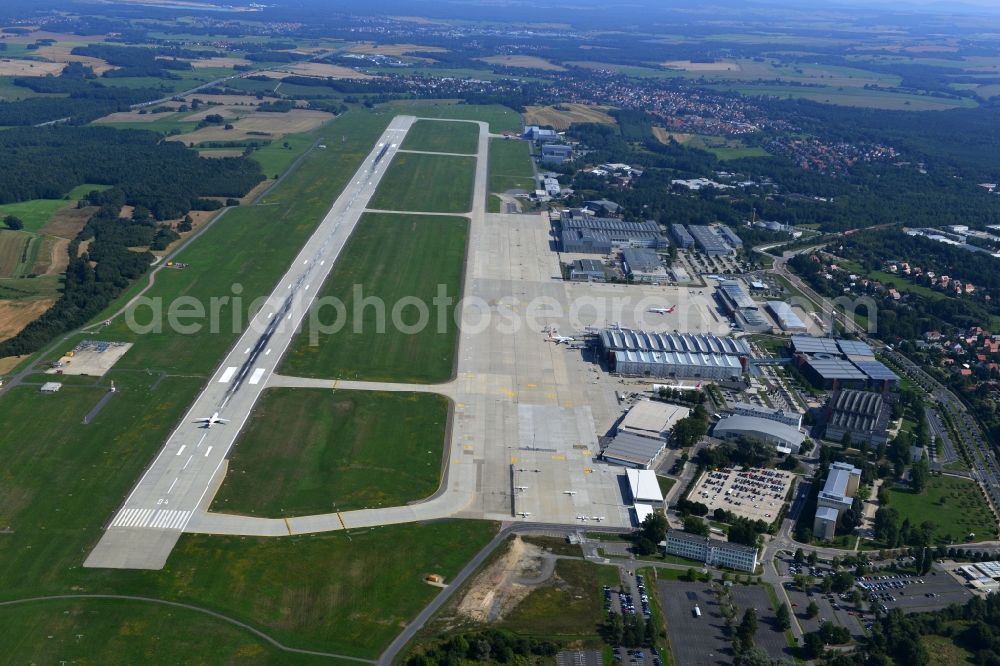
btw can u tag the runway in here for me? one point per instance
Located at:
(176, 485)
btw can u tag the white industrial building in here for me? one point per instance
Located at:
(837, 495)
(712, 551)
(793, 419)
(644, 486)
(645, 354)
(785, 438)
(788, 321)
(653, 419)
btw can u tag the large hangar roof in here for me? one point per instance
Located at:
(625, 339)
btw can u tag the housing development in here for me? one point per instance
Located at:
(420, 334)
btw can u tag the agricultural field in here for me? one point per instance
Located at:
(524, 62)
(953, 504)
(561, 116)
(308, 451)
(315, 69)
(851, 96)
(17, 253)
(255, 125)
(375, 264)
(828, 76)
(427, 183)
(442, 137)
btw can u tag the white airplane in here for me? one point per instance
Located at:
(559, 339)
(569, 492)
(663, 310)
(584, 518)
(521, 488)
(597, 518)
(211, 420)
(524, 514)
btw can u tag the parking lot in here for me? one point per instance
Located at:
(694, 640)
(769, 636)
(831, 607)
(934, 590)
(755, 493)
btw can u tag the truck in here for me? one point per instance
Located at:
(697, 611)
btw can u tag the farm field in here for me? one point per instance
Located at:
(17, 253)
(427, 183)
(375, 264)
(953, 504)
(256, 125)
(873, 99)
(561, 116)
(308, 451)
(442, 137)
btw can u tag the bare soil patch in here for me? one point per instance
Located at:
(261, 125)
(53, 257)
(68, 221)
(525, 61)
(663, 135)
(14, 67)
(131, 117)
(8, 363)
(226, 100)
(564, 115)
(494, 592)
(15, 315)
(57, 53)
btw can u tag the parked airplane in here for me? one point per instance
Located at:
(597, 518)
(521, 488)
(581, 518)
(569, 492)
(558, 339)
(211, 420)
(524, 514)
(663, 310)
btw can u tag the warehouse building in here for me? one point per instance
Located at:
(683, 239)
(708, 241)
(862, 413)
(778, 415)
(835, 364)
(644, 486)
(603, 208)
(784, 438)
(535, 133)
(555, 153)
(582, 232)
(642, 354)
(641, 264)
(653, 419)
(837, 496)
(633, 450)
(730, 237)
(712, 551)
(788, 321)
(587, 270)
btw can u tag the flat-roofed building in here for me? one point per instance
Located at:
(836, 496)
(793, 419)
(836, 364)
(633, 450)
(730, 236)
(555, 153)
(708, 241)
(785, 316)
(653, 419)
(587, 270)
(681, 236)
(642, 264)
(646, 354)
(644, 486)
(580, 231)
(712, 551)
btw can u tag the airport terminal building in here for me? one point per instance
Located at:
(670, 355)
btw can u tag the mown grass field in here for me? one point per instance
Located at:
(510, 166)
(376, 263)
(953, 504)
(428, 183)
(112, 631)
(442, 137)
(308, 451)
(62, 481)
(500, 118)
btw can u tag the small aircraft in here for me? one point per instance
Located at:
(663, 310)
(524, 514)
(584, 518)
(569, 492)
(211, 420)
(597, 518)
(521, 488)
(559, 339)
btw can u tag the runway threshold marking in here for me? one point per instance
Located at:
(341, 519)
(227, 374)
(257, 374)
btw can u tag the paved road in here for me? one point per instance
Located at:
(145, 529)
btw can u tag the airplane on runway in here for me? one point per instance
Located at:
(663, 310)
(213, 419)
(583, 518)
(569, 492)
(524, 514)
(597, 518)
(521, 488)
(559, 339)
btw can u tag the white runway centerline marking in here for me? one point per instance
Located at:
(257, 374)
(228, 374)
(188, 462)
(173, 484)
(181, 450)
(207, 451)
(267, 352)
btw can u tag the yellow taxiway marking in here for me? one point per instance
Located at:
(588, 470)
(567, 405)
(459, 405)
(532, 385)
(467, 447)
(513, 459)
(558, 456)
(288, 526)
(341, 519)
